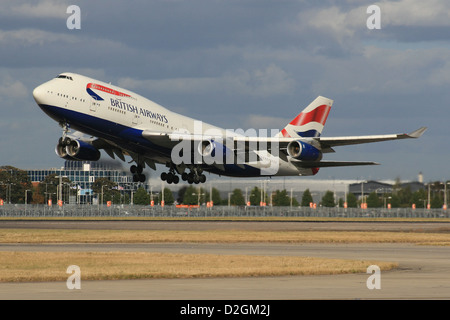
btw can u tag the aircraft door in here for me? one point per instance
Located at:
(93, 105)
(136, 119)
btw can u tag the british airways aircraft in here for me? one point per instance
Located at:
(123, 123)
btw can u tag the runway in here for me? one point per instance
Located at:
(424, 272)
(253, 225)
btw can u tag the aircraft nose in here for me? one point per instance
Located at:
(38, 94)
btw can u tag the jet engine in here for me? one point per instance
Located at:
(77, 150)
(303, 151)
(214, 152)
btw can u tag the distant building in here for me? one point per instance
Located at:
(367, 187)
(84, 173)
(413, 186)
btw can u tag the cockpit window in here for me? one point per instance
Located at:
(61, 76)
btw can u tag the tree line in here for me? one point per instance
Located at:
(16, 187)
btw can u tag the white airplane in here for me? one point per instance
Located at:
(121, 122)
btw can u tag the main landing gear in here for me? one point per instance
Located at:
(137, 173)
(170, 177)
(194, 176)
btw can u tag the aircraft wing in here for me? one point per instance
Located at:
(113, 150)
(169, 140)
(248, 143)
(326, 143)
(330, 142)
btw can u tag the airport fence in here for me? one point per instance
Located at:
(215, 211)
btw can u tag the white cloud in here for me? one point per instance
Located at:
(346, 26)
(262, 82)
(10, 88)
(258, 121)
(429, 13)
(268, 81)
(41, 9)
(29, 37)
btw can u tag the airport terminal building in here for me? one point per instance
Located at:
(367, 187)
(84, 173)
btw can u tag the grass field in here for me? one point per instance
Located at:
(52, 266)
(20, 266)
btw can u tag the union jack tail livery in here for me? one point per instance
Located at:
(310, 122)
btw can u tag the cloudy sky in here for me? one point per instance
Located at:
(242, 64)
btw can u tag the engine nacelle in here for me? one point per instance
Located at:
(77, 150)
(60, 150)
(214, 152)
(303, 151)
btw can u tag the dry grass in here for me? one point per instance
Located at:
(217, 236)
(51, 266)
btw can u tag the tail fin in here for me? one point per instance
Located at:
(310, 122)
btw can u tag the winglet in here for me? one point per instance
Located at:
(417, 133)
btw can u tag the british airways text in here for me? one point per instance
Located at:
(141, 111)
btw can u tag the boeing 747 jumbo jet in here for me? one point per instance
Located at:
(123, 123)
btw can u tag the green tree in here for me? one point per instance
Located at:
(49, 187)
(395, 201)
(328, 199)
(281, 198)
(436, 202)
(373, 201)
(419, 197)
(255, 196)
(181, 193)
(194, 195)
(107, 188)
(141, 197)
(352, 202)
(405, 197)
(306, 198)
(169, 199)
(237, 198)
(215, 196)
(14, 182)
